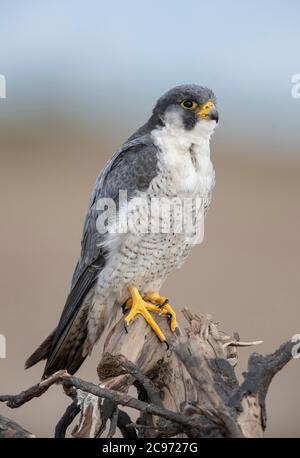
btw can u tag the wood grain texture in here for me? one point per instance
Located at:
(188, 389)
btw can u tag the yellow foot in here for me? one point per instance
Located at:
(137, 305)
(162, 307)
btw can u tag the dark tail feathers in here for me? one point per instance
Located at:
(42, 352)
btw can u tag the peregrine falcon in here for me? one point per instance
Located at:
(169, 156)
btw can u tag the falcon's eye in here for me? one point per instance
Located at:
(189, 104)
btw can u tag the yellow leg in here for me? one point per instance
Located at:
(164, 307)
(137, 305)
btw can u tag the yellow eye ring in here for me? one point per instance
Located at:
(189, 104)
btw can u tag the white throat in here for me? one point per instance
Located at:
(185, 154)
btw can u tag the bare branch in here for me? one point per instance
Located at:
(126, 400)
(190, 389)
(70, 414)
(14, 401)
(118, 398)
(113, 423)
(10, 429)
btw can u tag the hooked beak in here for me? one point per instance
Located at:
(208, 111)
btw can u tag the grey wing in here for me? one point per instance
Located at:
(132, 168)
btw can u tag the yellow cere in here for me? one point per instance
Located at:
(205, 109)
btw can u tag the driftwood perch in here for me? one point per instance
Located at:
(187, 390)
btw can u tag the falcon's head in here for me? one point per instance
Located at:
(189, 104)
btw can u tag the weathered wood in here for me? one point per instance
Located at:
(188, 389)
(194, 377)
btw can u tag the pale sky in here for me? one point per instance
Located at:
(89, 55)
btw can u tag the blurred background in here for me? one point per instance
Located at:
(81, 77)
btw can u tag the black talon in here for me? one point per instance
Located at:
(126, 327)
(177, 331)
(167, 345)
(159, 306)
